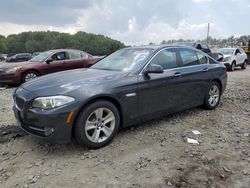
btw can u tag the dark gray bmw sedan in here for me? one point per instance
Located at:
(127, 87)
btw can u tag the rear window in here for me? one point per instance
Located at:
(74, 55)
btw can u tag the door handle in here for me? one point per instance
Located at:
(177, 74)
(205, 70)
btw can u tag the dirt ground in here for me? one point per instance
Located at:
(154, 154)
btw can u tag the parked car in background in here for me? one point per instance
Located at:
(35, 54)
(200, 46)
(20, 57)
(125, 88)
(234, 57)
(3, 57)
(45, 63)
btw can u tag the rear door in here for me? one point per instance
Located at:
(196, 74)
(242, 56)
(77, 59)
(239, 57)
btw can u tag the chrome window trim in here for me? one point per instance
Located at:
(149, 61)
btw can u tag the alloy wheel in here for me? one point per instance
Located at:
(245, 65)
(214, 94)
(100, 125)
(233, 66)
(30, 76)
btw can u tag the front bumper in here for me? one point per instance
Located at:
(50, 127)
(10, 78)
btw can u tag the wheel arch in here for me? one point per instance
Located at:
(219, 82)
(97, 98)
(29, 70)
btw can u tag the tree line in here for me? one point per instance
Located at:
(231, 41)
(40, 41)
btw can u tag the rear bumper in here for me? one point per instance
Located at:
(10, 78)
(50, 127)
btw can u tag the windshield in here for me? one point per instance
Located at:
(227, 51)
(123, 60)
(41, 57)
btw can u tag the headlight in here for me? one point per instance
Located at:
(12, 70)
(52, 101)
(226, 59)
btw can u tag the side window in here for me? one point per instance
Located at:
(74, 55)
(241, 50)
(237, 51)
(84, 55)
(202, 58)
(59, 56)
(188, 57)
(166, 58)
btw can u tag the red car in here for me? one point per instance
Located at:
(45, 63)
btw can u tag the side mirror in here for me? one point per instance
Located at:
(153, 68)
(49, 60)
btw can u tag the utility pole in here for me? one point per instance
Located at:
(208, 28)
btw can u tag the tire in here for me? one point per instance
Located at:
(213, 95)
(90, 129)
(29, 75)
(233, 65)
(244, 66)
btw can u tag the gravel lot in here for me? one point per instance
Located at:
(154, 154)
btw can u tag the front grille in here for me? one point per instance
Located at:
(20, 103)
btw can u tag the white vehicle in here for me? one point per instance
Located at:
(233, 57)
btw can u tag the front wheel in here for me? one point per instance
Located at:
(97, 124)
(244, 66)
(233, 65)
(212, 97)
(30, 75)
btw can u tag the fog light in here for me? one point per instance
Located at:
(49, 131)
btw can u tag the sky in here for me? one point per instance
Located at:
(133, 22)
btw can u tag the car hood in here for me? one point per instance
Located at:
(68, 81)
(225, 56)
(5, 66)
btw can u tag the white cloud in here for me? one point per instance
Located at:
(131, 22)
(11, 28)
(158, 31)
(201, 1)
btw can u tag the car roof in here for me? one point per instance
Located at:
(158, 47)
(23, 54)
(59, 50)
(229, 48)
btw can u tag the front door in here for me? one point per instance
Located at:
(160, 93)
(58, 64)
